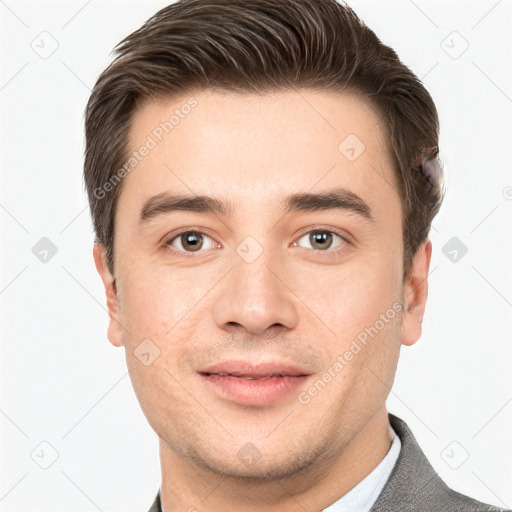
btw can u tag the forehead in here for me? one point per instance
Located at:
(252, 148)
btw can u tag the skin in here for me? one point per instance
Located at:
(295, 302)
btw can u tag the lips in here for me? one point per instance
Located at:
(255, 384)
(251, 370)
(248, 377)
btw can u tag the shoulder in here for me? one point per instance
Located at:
(156, 506)
(414, 485)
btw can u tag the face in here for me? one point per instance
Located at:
(262, 322)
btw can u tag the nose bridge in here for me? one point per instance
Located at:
(255, 296)
(256, 270)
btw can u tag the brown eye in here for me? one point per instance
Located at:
(191, 241)
(322, 240)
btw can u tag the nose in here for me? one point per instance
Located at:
(256, 297)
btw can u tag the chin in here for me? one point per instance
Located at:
(258, 465)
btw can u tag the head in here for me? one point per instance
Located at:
(307, 134)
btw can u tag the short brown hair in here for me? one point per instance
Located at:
(260, 46)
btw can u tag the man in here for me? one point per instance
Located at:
(262, 178)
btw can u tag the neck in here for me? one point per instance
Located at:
(188, 486)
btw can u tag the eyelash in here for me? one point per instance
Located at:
(343, 240)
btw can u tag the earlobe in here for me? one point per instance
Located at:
(114, 331)
(415, 292)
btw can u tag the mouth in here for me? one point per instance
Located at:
(253, 384)
(248, 377)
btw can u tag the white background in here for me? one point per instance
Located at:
(61, 380)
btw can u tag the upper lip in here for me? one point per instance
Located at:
(251, 369)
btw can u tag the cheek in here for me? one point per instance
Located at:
(343, 301)
(163, 302)
(158, 392)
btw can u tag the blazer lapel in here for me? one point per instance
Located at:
(156, 507)
(414, 485)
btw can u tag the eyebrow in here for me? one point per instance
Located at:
(333, 199)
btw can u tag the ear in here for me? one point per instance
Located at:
(415, 292)
(114, 331)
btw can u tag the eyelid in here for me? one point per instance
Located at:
(188, 229)
(322, 227)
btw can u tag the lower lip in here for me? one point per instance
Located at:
(253, 391)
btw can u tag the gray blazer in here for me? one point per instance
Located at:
(413, 486)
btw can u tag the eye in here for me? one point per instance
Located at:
(322, 239)
(191, 241)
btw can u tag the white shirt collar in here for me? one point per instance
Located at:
(362, 497)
